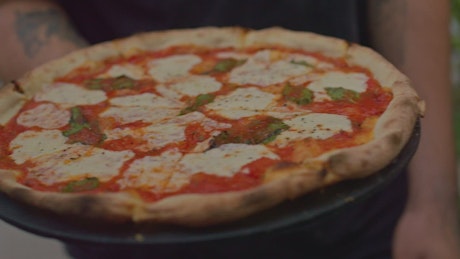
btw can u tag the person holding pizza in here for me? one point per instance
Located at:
(414, 217)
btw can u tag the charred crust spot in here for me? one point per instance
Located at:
(348, 44)
(20, 193)
(284, 165)
(322, 173)
(17, 87)
(212, 144)
(395, 139)
(364, 163)
(409, 102)
(337, 159)
(87, 205)
(255, 198)
(337, 163)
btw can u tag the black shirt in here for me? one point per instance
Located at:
(101, 20)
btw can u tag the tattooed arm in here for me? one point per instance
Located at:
(33, 32)
(414, 35)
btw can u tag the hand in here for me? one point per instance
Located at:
(426, 235)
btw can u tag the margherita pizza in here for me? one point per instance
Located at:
(200, 126)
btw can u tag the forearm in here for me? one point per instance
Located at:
(417, 41)
(435, 159)
(33, 32)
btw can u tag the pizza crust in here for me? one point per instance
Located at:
(116, 207)
(188, 209)
(328, 46)
(11, 101)
(283, 182)
(205, 37)
(392, 130)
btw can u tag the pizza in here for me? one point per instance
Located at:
(202, 126)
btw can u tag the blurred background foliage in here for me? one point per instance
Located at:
(455, 24)
(455, 31)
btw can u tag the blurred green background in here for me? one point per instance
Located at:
(456, 69)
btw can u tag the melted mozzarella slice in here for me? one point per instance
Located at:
(146, 107)
(261, 70)
(195, 85)
(46, 116)
(124, 115)
(226, 160)
(151, 172)
(233, 54)
(167, 92)
(237, 114)
(314, 125)
(129, 70)
(77, 162)
(32, 144)
(69, 95)
(242, 102)
(172, 68)
(146, 100)
(309, 61)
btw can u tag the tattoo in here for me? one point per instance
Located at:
(36, 28)
(387, 28)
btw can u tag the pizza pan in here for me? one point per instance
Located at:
(289, 215)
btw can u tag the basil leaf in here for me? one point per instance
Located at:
(74, 128)
(251, 131)
(297, 94)
(94, 84)
(228, 64)
(302, 63)
(203, 99)
(277, 125)
(76, 115)
(342, 94)
(123, 82)
(87, 184)
(200, 100)
(274, 129)
(109, 84)
(77, 122)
